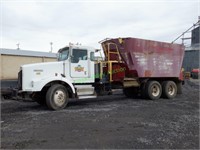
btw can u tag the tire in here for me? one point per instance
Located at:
(39, 97)
(169, 89)
(153, 90)
(57, 97)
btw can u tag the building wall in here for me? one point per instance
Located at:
(191, 60)
(195, 36)
(10, 64)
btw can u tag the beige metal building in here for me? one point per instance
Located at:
(11, 60)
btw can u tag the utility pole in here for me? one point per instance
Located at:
(18, 46)
(51, 43)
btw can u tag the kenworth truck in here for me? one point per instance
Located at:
(145, 68)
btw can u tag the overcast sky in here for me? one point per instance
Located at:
(34, 24)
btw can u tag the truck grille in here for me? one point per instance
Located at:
(20, 80)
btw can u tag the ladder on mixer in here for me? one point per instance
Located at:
(108, 52)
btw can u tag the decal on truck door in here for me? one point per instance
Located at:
(79, 68)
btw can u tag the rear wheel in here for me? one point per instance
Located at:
(57, 97)
(153, 90)
(169, 89)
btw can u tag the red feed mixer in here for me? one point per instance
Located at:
(152, 68)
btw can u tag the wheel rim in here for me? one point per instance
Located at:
(59, 97)
(171, 90)
(155, 90)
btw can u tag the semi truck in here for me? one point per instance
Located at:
(146, 68)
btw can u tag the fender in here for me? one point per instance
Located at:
(37, 85)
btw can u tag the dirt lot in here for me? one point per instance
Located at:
(113, 122)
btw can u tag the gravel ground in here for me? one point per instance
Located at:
(113, 122)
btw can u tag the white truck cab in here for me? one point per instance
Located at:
(53, 83)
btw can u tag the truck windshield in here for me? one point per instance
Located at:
(63, 54)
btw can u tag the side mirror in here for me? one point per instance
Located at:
(57, 56)
(71, 58)
(74, 59)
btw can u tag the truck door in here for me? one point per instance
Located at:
(79, 63)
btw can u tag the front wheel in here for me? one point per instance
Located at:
(57, 97)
